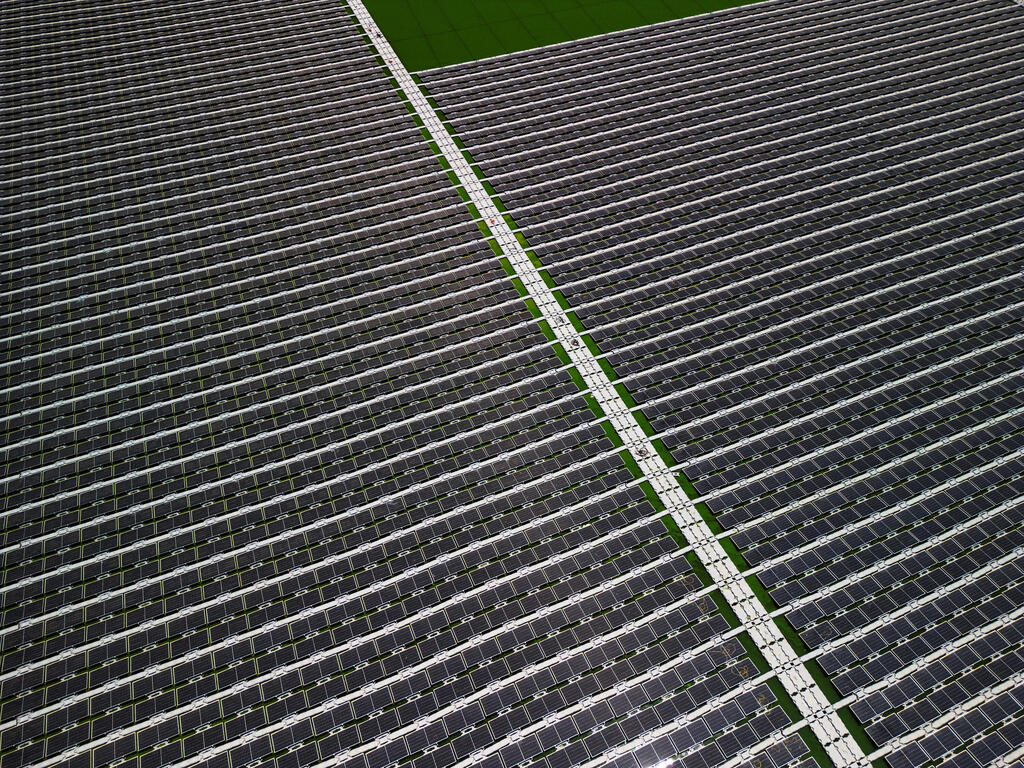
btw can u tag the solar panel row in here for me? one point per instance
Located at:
(291, 475)
(793, 230)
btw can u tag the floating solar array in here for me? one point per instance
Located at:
(292, 476)
(796, 232)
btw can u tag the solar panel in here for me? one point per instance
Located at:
(799, 249)
(292, 475)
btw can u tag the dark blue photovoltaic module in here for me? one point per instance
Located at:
(295, 476)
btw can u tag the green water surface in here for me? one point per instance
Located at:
(434, 33)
